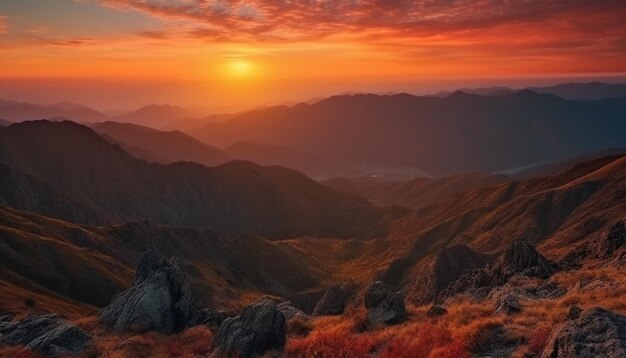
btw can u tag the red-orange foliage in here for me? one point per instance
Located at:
(421, 343)
(538, 339)
(331, 344)
(19, 352)
(193, 341)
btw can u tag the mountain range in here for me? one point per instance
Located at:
(440, 136)
(236, 197)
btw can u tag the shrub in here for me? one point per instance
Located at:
(19, 352)
(331, 344)
(299, 326)
(30, 302)
(427, 341)
(537, 340)
(196, 340)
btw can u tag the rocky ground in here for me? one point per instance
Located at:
(519, 304)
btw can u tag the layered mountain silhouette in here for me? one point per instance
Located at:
(161, 147)
(235, 197)
(155, 115)
(18, 111)
(458, 133)
(573, 91)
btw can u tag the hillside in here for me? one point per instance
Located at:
(414, 193)
(234, 198)
(61, 262)
(161, 147)
(467, 132)
(560, 213)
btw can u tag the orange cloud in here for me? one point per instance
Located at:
(298, 19)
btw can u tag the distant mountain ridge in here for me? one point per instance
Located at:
(459, 133)
(584, 91)
(235, 197)
(161, 147)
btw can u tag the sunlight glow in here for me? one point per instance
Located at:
(240, 69)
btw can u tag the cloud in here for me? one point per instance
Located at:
(301, 19)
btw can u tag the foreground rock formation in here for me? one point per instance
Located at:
(160, 299)
(597, 333)
(520, 259)
(384, 306)
(46, 334)
(332, 303)
(259, 328)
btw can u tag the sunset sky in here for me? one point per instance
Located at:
(125, 53)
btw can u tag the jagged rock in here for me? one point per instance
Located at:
(508, 304)
(333, 302)
(477, 284)
(436, 311)
(46, 334)
(160, 299)
(384, 306)
(551, 290)
(574, 312)
(6, 318)
(596, 333)
(497, 343)
(452, 262)
(522, 258)
(519, 262)
(290, 311)
(259, 328)
(214, 318)
(614, 240)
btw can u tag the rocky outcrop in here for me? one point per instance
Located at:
(383, 305)
(436, 311)
(574, 312)
(452, 262)
(596, 333)
(519, 261)
(213, 318)
(508, 304)
(48, 334)
(259, 328)
(475, 284)
(333, 302)
(160, 299)
(521, 258)
(614, 240)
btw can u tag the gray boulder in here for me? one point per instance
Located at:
(48, 334)
(384, 306)
(476, 284)
(522, 258)
(289, 311)
(596, 333)
(333, 302)
(508, 304)
(259, 328)
(159, 300)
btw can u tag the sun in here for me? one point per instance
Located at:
(240, 69)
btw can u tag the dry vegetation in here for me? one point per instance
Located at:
(466, 329)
